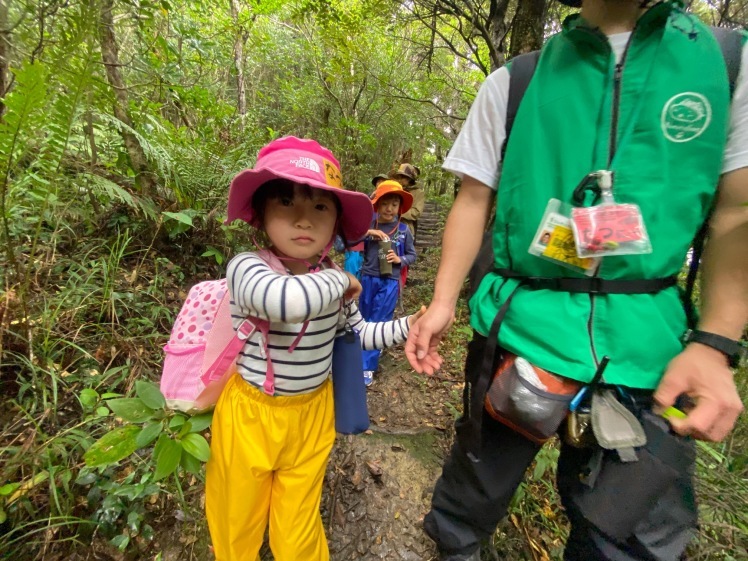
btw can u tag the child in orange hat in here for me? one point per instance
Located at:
(380, 290)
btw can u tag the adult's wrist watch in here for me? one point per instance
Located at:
(731, 348)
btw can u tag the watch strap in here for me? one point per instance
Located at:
(731, 348)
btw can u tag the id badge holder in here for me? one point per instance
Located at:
(554, 240)
(609, 228)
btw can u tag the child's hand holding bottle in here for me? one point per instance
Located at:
(377, 235)
(393, 257)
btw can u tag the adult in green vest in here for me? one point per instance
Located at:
(639, 89)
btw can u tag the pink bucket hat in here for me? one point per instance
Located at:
(303, 161)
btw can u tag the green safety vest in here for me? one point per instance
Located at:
(673, 119)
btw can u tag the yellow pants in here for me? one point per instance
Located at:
(267, 463)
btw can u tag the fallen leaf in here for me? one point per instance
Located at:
(356, 478)
(374, 468)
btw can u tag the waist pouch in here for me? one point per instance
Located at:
(621, 494)
(528, 399)
(479, 376)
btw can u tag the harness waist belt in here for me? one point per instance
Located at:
(592, 285)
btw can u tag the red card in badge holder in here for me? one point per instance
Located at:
(609, 228)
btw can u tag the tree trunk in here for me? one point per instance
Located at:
(4, 53)
(497, 27)
(144, 178)
(240, 40)
(527, 29)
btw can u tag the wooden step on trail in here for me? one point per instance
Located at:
(430, 226)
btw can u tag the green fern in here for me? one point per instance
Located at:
(102, 187)
(155, 153)
(65, 112)
(24, 114)
(25, 108)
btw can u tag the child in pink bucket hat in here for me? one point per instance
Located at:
(274, 424)
(306, 162)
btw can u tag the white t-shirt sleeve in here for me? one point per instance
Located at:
(736, 151)
(477, 150)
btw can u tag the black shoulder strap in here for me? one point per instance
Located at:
(520, 73)
(731, 43)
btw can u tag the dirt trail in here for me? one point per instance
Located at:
(379, 484)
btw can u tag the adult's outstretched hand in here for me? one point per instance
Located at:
(425, 336)
(702, 374)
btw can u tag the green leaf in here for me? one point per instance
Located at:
(130, 409)
(149, 434)
(201, 422)
(191, 464)
(166, 454)
(88, 398)
(213, 252)
(179, 217)
(102, 411)
(112, 447)
(8, 489)
(539, 470)
(3, 516)
(177, 421)
(186, 427)
(196, 445)
(120, 542)
(150, 394)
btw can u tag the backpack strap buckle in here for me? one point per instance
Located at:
(595, 285)
(245, 329)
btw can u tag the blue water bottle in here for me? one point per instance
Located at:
(351, 413)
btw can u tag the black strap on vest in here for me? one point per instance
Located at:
(480, 387)
(731, 43)
(521, 72)
(593, 285)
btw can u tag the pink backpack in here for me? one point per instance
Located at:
(203, 346)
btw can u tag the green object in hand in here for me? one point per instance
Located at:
(672, 412)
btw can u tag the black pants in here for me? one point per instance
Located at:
(470, 498)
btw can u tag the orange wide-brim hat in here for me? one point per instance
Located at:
(390, 186)
(303, 161)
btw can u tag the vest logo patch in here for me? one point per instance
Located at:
(685, 116)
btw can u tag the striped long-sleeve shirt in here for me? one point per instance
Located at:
(287, 301)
